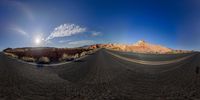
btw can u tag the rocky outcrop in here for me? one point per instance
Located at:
(140, 47)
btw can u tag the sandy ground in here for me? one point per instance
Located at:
(100, 76)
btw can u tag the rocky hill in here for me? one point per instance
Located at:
(141, 47)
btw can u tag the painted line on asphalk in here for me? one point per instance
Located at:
(150, 62)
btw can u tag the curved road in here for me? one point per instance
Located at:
(144, 62)
(100, 76)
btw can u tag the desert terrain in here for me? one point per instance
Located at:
(104, 74)
(99, 50)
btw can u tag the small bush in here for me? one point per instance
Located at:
(7, 50)
(83, 54)
(53, 54)
(11, 55)
(43, 60)
(28, 59)
(76, 55)
(90, 52)
(66, 57)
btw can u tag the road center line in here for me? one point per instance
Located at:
(150, 62)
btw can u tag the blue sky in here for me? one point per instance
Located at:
(73, 23)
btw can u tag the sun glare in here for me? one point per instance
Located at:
(38, 40)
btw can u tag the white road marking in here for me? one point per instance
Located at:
(150, 62)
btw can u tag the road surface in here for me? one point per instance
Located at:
(100, 76)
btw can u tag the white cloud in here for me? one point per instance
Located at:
(82, 42)
(64, 41)
(96, 33)
(66, 30)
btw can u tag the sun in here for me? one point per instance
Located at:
(38, 40)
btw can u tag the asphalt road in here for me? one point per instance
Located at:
(150, 57)
(100, 76)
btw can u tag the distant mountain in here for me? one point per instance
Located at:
(141, 47)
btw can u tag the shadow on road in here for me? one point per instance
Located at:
(91, 54)
(79, 61)
(197, 69)
(39, 65)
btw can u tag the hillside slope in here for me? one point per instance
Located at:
(140, 47)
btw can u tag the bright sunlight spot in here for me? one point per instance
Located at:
(38, 40)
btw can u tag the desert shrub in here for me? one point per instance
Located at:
(44, 60)
(90, 52)
(28, 59)
(53, 54)
(83, 54)
(172, 52)
(66, 57)
(76, 55)
(7, 50)
(11, 55)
